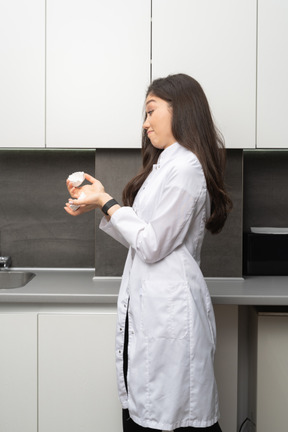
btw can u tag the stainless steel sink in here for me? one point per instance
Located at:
(14, 279)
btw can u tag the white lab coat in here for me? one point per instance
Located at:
(172, 332)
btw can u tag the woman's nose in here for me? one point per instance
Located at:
(146, 124)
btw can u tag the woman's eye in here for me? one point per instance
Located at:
(149, 112)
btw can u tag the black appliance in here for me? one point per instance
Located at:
(265, 253)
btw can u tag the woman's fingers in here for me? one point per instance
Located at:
(86, 197)
(74, 192)
(68, 210)
(82, 209)
(89, 178)
(81, 199)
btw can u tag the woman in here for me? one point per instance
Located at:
(166, 333)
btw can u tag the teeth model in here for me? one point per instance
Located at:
(77, 179)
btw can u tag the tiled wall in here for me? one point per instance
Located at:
(114, 169)
(222, 253)
(34, 228)
(37, 232)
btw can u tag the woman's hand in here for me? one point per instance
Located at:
(88, 197)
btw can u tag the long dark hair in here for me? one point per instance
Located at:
(194, 129)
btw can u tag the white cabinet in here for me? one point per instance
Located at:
(58, 372)
(272, 380)
(22, 73)
(272, 92)
(226, 364)
(215, 42)
(58, 368)
(98, 67)
(74, 74)
(18, 372)
(77, 376)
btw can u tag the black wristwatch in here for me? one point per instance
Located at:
(108, 205)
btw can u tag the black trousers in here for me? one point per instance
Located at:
(128, 424)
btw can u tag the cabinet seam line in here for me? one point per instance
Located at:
(151, 36)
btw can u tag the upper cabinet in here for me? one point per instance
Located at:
(74, 74)
(22, 73)
(98, 68)
(215, 42)
(272, 92)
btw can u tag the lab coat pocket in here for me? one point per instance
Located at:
(211, 320)
(164, 309)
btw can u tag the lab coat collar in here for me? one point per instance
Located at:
(167, 154)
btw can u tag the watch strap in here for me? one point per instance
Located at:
(108, 205)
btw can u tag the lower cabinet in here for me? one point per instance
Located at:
(77, 378)
(18, 372)
(226, 365)
(58, 372)
(58, 369)
(272, 378)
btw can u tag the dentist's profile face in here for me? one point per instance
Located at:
(158, 122)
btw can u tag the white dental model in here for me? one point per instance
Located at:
(77, 179)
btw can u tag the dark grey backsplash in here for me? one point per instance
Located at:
(114, 168)
(222, 253)
(37, 232)
(34, 228)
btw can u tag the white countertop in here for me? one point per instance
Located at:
(78, 286)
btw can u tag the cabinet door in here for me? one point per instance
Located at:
(22, 73)
(214, 41)
(272, 92)
(272, 380)
(77, 378)
(18, 372)
(98, 68)
(226, 364)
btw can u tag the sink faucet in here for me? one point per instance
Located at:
(5, 262)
